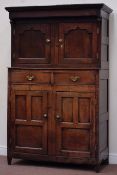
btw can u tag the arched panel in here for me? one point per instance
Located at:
(31, 44)
(78, 44)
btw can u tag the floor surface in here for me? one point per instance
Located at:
(20, 167)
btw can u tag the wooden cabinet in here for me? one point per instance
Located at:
(58, 84)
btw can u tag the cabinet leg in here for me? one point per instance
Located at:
(100, 165)
(9, 160)
(97, 168)
(106, 162)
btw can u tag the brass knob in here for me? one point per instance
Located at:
(57, 116)
(74, 78)
(47, 40)
(30, 77)
(60, 40)
(45, 115)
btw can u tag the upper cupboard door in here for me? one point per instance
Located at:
(31, 44)
(77, 43)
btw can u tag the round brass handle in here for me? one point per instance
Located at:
(48, 40)
(58, 117)
(30, 77)
(60, 40)
(74, 78)
(45, 115)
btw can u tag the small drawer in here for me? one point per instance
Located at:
(30, 76)
(75, 77)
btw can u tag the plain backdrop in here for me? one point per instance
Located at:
(5, 61)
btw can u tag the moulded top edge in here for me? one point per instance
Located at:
(99, 6)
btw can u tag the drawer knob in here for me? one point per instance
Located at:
(60, 40)
(45, 115)
(48, 40)
(58, 117)
(30, 77)
(74, 78)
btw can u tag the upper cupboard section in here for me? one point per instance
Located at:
(58, 44)
(60, 36)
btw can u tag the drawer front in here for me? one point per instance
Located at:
(75, 77)
(30, 76)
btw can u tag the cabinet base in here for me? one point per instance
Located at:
(45, 158)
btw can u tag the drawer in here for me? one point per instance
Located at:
(75, 77)
(30, 76)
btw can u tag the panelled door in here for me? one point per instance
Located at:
(75, 124)
(29, 121)
(32, 43)
(78, 43)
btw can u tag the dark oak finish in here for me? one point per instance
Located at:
(30, 126)
(75, 120)
(58, 84)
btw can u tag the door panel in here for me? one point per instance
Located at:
(32, 44)
(36, 113)
(74, 139)
(75, 124)
(84, 110)
(20, 106)
(32, 137)
(29, 115)
(77, 43)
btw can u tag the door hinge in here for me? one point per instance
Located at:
(98, 31)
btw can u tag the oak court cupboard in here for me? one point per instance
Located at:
(58, 83)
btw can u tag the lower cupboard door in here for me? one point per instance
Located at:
(29, 121)
(75, 124)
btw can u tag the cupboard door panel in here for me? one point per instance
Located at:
(75, 124)
(36, 112)
(28, 136)
(77, 43)
(75, 139)
(20, 106)
(32, 44)
(84, 110)
(30, 126)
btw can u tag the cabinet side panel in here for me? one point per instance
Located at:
(103, 115)
(103, 90)
(104, 43)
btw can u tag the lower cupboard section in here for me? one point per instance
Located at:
(55, 122)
